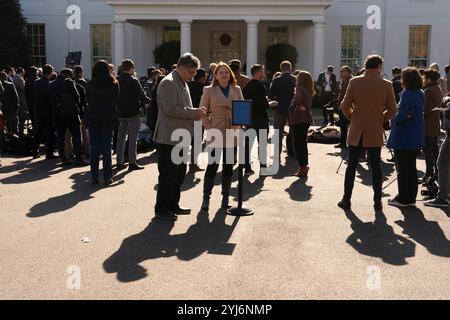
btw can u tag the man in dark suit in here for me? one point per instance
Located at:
(43, 114)
(63, 91)
(328, 87)
(254, 90)
(10, 104)
(282, 90)
(29, 84)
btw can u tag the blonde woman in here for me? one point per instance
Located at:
(300, 119)
(217, 99)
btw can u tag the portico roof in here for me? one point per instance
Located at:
(220, 9)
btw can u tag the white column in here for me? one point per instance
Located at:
(319, 48)
(252, 44)
(185, 35)
(119, 42)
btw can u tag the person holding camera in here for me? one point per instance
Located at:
(407, 137)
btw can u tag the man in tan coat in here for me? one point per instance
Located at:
(368, 103)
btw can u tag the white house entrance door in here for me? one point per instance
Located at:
(225, 46)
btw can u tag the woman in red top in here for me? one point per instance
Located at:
(300, 117)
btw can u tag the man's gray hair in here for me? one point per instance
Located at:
(188, 60)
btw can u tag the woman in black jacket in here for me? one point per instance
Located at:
(102, 95)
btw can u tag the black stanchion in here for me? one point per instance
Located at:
(241, 116)
(240, 210)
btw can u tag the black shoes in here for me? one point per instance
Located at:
(66, 163)
(120, 166)
(81, 163)
(135, 166)
(248, 172)
(172, 214)
(344, 204)
(181, 211)
(167, 216)
(108, 182)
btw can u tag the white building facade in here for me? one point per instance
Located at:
(405, 32)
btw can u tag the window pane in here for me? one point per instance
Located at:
(101, 42)
(419, 43)
(351, 40)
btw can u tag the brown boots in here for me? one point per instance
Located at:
(302, 172)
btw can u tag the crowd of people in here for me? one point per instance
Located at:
(94, 119)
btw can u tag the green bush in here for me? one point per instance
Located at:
(14, 44)
(277, 53)
(167, 54)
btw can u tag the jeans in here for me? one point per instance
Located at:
(171, 177)
(407, 175)
(100, 139)
(130, 126)
(431, 151)
(74, 129)
(300, 143)
(375, 164)
(443, 164)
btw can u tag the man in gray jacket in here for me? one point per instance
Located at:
(175, 111)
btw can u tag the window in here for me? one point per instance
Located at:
(36, 35)
(171, 33)
(101, 42)
(351, 40)
(419, 44)
(277, 35)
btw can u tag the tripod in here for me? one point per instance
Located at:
(392, 155)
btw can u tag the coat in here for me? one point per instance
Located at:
(433, 99)
(220, 112)
(321, 83)
(296, 116)
(282, 90)
(368, 103)
(9, 99)
(175, 109)
(132, 96)
(41, 103)
(19, 83)
(56, 89)
(407, 132)
(102, 105)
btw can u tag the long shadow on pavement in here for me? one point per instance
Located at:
(299, 190)
(82, 191)
(427, 233)
(378, 239)
(27, 171)
(155, 242)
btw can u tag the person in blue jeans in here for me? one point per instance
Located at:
(103, 95)
(407, 137)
